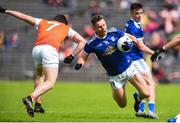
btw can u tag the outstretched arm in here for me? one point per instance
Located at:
(27, 18)
(173, 43)
(140, 44)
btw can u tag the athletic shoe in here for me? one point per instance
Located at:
(29, 105)
(38, 108)
(152, 115)
(141, 114)
(137, 102)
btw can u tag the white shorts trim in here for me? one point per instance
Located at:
(141, 66)
(119, 81)
(45, 56)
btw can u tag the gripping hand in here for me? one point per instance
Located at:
(78, 66)
(68, 59)
(157, 55)
(2, 10)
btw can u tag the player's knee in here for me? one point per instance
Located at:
(149, 79)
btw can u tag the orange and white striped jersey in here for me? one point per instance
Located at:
(52, 32)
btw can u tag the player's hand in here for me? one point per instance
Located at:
(78, 66)
(69, 59)
(157, 55)
(2, 10)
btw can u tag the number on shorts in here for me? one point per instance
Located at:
(53, 24)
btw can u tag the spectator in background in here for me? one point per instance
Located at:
(88, 31)
(94, 8)
(125, 4)
(1, 40)
(159, 73)
(170, 18)
(150, 21)
(162, 76)
(156, 41)
(60, 3)
(14, 39)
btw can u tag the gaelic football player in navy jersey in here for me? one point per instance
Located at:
(118, 66)
(134, 28)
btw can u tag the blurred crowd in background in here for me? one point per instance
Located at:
(160, 26)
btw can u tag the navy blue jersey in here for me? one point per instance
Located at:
(113, 60)
(135, 29)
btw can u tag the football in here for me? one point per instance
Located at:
(124, 44)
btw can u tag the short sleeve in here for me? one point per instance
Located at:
(71, 33)
(129, 29)
(37, 22)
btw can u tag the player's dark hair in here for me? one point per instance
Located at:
(61, 18)
(96, 18)
(135, 6)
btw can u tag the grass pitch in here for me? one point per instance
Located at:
(82, 102)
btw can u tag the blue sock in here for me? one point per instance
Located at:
(141, 106)
(151, 107)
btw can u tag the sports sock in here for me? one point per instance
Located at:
(38, 100)
(151, 107)
(33, 98)
(141, 106)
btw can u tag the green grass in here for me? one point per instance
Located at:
(78, 101)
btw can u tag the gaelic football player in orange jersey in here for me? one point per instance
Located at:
(51, 33)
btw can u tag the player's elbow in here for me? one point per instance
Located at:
(83, 42)
(81, 45)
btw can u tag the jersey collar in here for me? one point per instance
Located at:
(99, 37)
(137, 24)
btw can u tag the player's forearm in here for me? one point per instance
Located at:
(19, 15)
(172, 43)
(133, 38)
(81, 43)
(78, 48)
(83, 58)
(144, 48)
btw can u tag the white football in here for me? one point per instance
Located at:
(124, 44)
